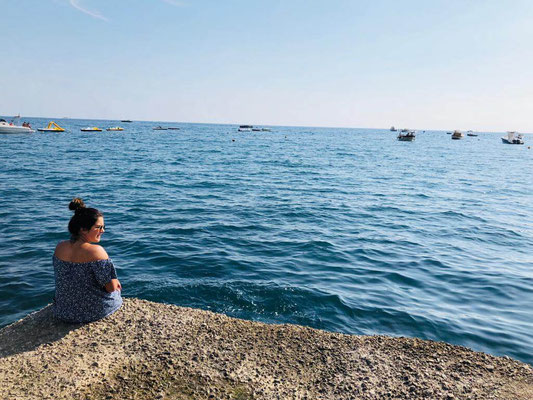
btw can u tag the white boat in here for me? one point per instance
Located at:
(10, 127)
(513, 138)
(406, 135)
(91, 129)
(115, 129)
(245, 128)
(470, 133)
(456, 135)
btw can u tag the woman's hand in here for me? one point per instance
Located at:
(113, 285)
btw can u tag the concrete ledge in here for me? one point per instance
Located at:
(149, 350)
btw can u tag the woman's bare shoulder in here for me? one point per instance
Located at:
(87, 252)
(63, 248)
(96, 252)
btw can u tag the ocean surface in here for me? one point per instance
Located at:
(346, 230)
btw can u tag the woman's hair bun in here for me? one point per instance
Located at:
(76, 204)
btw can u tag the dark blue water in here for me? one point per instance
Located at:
(340, 229)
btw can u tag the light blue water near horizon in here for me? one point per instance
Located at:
(346, 230)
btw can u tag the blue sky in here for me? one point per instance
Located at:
(421, 64)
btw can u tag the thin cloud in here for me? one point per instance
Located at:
(76, 5)
(175, 3)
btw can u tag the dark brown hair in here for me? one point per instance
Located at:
(83, 218)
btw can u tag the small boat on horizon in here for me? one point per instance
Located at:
(406, 135)
(159, 128)
(512, 139)
(51, 127)
(393, 129)
(115, 128)
(456, 135)
(470, 133)
(172, 128)
(91, 129)
(245, 128)
(10, 127)
(126, 120)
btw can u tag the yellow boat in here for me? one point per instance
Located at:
(91, 129)
(115, 128)
(52, 127)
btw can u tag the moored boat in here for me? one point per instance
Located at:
(245, 128)
(115, 129)
(406, 135)
(456, 135)
(10, 127)
(513, 138)
(91, 129)
(51, 127)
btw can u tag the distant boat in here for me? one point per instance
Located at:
(448, 133)
(160, 128)
(393, 129)
(10, 127)
(172, 128)
(256, 129)
(470, 133)
(126, 120)
(52, 127)
(245, 128)
(266, 129)
(456, 135)
(512, 139)
(115, 128)
(406, 135)
(91, 129)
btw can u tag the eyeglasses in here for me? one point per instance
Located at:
(100, 227)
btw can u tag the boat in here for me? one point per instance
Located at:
(266, 129)
(91, 129)
(470, 133)
(393, 129)
(115, 128)
(448, 133)
(513, 138)
(172, 128)
(159, 128)
(245, 128)
(126, 120)
(456, 135)
(10, 127)
(51, 127)
(256, 129)
(406, 135)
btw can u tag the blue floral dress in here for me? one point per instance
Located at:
(80, 292)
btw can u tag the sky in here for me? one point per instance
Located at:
(450, 64)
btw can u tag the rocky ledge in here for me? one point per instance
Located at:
(149, 350)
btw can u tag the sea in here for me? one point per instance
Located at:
(345, 230)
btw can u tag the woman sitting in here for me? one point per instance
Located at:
(87, 287)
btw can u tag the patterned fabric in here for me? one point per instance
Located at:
(80, 293)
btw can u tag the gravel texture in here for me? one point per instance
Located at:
(150, 350)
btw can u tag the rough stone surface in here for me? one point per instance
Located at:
(149, 350)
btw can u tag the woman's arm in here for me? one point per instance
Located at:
(113, 285)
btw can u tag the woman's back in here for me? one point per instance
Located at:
(80, 290)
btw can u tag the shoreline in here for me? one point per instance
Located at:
(161, 351)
